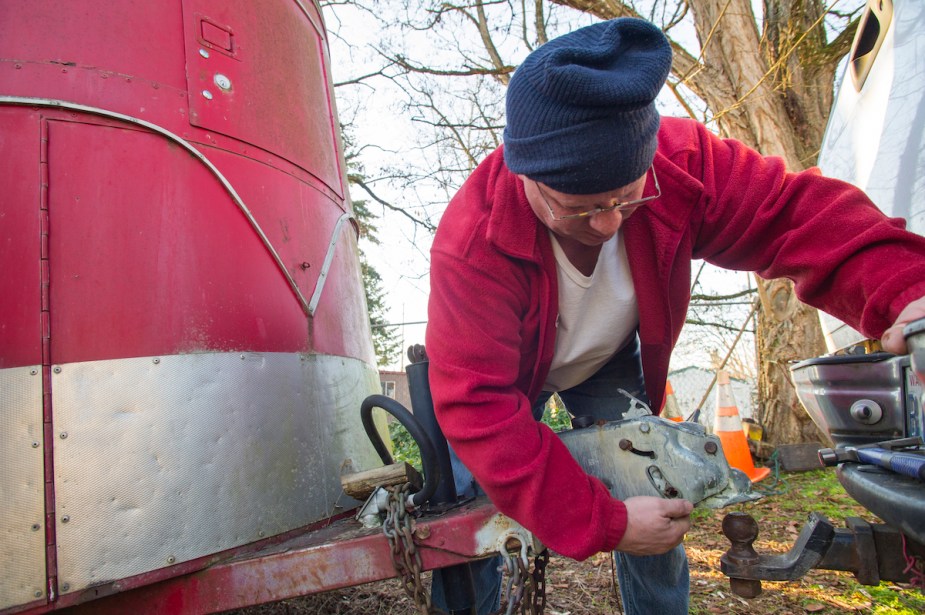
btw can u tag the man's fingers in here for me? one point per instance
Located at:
(678, 508)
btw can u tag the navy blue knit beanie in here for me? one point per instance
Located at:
(581, 115)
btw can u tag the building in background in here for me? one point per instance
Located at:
(395, 385)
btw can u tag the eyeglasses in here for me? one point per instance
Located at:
(627, 207)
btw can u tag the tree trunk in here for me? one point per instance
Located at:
(787, 331)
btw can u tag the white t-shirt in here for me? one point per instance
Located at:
(597, 314)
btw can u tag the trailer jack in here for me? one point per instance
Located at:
(872, 552)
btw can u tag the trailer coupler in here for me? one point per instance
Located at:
(872, 552)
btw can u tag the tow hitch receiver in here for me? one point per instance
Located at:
(873, 553)
(648, 455)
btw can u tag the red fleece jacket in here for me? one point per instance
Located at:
(494, 303)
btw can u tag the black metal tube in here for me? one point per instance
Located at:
(457, 581)
(420, 437)
(422, 404)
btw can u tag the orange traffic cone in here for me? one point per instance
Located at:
(728, 427)
(670, 410)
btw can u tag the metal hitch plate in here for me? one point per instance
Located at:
(648, 455)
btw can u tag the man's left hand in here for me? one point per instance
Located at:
(893, 340)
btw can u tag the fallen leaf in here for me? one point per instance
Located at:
(813, 607)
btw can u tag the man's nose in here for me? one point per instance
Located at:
(608, 222)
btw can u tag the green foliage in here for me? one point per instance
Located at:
(887, 600)
(555, 415)
(405, 448)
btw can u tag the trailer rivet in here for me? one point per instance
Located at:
(66, 587)
(65, 518)
(171, 559)
(204, 53)
(35, 445)
(156, 361)
(63, 435)
(710, 448)
(243, 357)
(57, 370)
(261, 533)
(38, 593)
(222, 81)
(207, 94)
(36, 527)
(33, 371)
(644, 428)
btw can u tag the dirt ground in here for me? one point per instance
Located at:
(588, 588)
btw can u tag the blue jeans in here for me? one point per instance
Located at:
(648, 584)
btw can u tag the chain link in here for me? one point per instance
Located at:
(539, 581)
(405, 555)
(525, 591)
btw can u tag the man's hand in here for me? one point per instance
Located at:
(654, 525)
(893, 340)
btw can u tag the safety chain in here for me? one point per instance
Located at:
(405, 555)
(539, 581)
(915, 567)
(525, 592)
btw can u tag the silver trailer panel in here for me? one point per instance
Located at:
(161, 460)
(22, 487)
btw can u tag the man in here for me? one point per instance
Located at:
(563, 265)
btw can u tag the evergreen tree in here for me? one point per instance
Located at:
(385, 342)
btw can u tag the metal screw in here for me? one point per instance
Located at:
(65, 587)
(57, 370)
(644, 428)
(204, 53)
(710, 447)
(261, 533)
(243, 357)
(38, 593)
(156, 361)
(35, 445)
(222, 81)
(63, 435)
(207, 94)
(36, 527)
(33, 371)
(625, 444)
(171, 559)
(65, 518)
(305, 266)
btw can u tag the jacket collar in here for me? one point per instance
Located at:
(512, 225)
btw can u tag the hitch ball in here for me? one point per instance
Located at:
(741, 530)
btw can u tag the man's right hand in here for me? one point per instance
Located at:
(654, 525)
